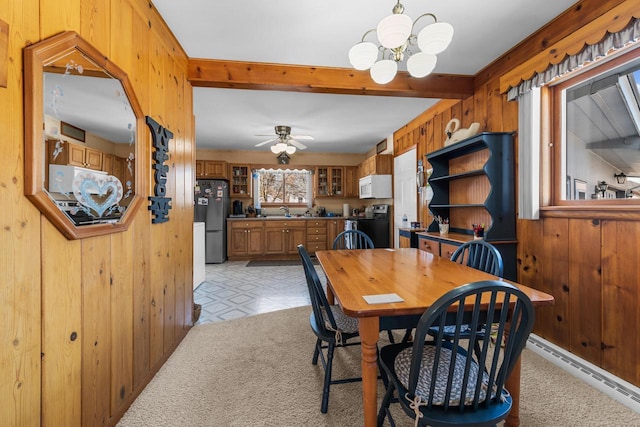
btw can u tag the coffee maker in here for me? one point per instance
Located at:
(237, 207)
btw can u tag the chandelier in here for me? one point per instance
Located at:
(397, 43)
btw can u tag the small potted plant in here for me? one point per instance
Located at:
(478, 231)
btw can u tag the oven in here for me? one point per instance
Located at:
(376, 227)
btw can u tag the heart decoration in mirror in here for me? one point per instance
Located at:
(98, 193)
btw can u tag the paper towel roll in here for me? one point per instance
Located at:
(345, 209)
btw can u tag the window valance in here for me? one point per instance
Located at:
(610, 43)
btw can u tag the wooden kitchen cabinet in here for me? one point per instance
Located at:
(380, 164)
(107, 163)
(351, 181)
(329, 181)
(245, 239)
(212, 169)
(443, 246)
(316, 235)
(283, 237)
(240, 185)
(75, 155)
(334, 227)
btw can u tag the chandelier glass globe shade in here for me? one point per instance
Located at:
(384, 71)
(363, 55)
(421, 64)
(435, 38)
(394, 30)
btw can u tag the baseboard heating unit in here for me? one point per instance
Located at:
(614, 387)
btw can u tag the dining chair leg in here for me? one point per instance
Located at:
(384, 406)
(316, 351)
(327, 379)
(383, 374)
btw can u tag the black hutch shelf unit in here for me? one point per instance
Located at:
(500, 203)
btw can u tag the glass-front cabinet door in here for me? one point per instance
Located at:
(240, 181)
(330, 181)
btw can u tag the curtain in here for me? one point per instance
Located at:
(529, 154)
(612, 41)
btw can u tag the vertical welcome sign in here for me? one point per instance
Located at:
(160, 204)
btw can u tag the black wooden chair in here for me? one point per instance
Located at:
(443, 382)
(477, 254)
(356, 239)
(482, 256)
(329, 324)
(352, 239)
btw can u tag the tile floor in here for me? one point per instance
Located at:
(232, 290)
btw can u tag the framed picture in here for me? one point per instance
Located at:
(579, 189)
(71, 131)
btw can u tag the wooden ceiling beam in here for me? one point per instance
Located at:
(299, 78)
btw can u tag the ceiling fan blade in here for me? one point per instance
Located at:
(299, 145)
(303, 137)
(266, 142)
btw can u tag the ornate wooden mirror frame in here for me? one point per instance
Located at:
(68, 54)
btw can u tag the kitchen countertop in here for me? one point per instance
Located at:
(276, 217)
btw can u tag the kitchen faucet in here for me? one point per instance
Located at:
(285, 209)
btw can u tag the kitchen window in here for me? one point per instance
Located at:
(278, 187)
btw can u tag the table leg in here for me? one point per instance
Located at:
(369, 328)
(513, 385)
(330, 296)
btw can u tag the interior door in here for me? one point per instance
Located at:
(405, 191)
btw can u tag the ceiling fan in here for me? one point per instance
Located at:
(285, 142)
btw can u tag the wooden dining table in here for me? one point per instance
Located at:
(419, 278)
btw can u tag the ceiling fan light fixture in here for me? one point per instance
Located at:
(274, 149)
(283, 158)
(290, 149)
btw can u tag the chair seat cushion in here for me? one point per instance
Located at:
(346, 324)
(402, 365)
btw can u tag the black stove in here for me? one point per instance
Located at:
(376, 227)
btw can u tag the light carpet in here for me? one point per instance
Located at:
(257, 371)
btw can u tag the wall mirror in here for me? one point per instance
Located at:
(81, 125)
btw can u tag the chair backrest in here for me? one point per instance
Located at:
(352, 239)
(319, 301)
(474, 304)
(480, 255)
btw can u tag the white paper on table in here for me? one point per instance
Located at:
(382, 298)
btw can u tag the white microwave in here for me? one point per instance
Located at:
(375, 187)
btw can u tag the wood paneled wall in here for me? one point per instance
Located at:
(85, 324)
(589, 262)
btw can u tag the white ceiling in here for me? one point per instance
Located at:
(321, 33)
